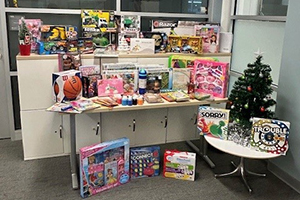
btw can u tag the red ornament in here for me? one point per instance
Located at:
(249, 88)
(262, 109)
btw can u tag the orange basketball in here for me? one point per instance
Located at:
(72, 87)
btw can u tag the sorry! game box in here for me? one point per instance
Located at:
(144, 162)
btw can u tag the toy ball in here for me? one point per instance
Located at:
(72, 87)
(56, 88)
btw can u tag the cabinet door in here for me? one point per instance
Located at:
(150, 127)
(41, 134)
(87, 130)
(117, 125)
(182, 123)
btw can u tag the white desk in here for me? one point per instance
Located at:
(237, 150)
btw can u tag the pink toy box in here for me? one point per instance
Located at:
(211, 77)
(103, 166)
(210, 34)
(110, 87)
(34, 26)
(66, 85)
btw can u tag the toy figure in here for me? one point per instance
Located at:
(67, 63)
(110, 177)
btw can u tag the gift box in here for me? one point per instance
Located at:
(110, 87)
(66, 85)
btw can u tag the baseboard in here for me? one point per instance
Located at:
(285, 177)
(17, 135)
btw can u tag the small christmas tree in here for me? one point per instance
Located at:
(24, 33)
(251, 94)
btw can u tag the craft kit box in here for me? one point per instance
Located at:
(66, 85)
(103, 166)
(269, 135)
(213, 122)
(144, 161)
(179, 165)
(142, 45)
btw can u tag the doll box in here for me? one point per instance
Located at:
(179, 165)
(210, 34)
(142, 45)
(270, 135)
(66, 85)
(144, 161)
(110, 87)
(211, 77)
(103, 166)
(213, 122)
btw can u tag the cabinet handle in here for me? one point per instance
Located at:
(98, 127)
(195, 115)
(166, 122)
(133, 125)
(60, 131)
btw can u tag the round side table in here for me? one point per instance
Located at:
(243, 152)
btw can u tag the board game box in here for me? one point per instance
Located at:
(269, 135)
(179, 165)
(144, 161)
(213, 122)
(103, 166)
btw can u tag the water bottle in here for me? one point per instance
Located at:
(142, 81)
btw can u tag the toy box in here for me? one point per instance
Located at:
(110, 87)
(69, 61)
(66, 85)
(158, 79)
(181, 78)
(95, 20)
(179, 165)
(71, 32)
(85, 45)
(211, 77)
(142, 45)
(185, 44)
(182, 61)
(124, 40)
(129, 77)
(52, 47)
(72, 46)
(130, 23)
(103, 166)
(90, 87)
(210, 34)
(161, 40)
(34, 26)
(213, 122)
(89, 69)
(53, 32)
(270, 135)
(144, 161)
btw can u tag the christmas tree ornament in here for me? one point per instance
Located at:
(242, 77)
(249, 88)
(265, 99)
(236, 98)
(232, 107)
(261, 75)
(246, 106)
(237, 120)
(262, 109)
(254, 99)
(270, 78)
(251, 120)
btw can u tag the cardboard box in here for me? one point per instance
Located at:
(142, 45)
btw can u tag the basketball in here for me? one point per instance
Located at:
(72, 87)
(56, 88)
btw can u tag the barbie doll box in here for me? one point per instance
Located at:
(103, 166)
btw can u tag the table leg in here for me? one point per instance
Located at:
(202, 151)
(73, 158)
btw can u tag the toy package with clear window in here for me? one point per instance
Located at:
(211, 77)
(103, 166)
(179, 165)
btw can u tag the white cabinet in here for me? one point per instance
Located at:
(87, 131)
(182, 123)
(41, 134)
(142, 127)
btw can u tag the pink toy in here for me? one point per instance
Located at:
(109, 87)
(211, 77)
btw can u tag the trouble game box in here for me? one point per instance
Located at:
(103, 166)
(144, 161)
(179, 165)
(269, 135)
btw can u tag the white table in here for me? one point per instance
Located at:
(243, 152)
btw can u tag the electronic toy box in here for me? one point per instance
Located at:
(213, 122)
(144, 162)
(179, 165)
(66, 85)
(103, 166)
(270, 135)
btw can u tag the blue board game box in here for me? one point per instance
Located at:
(144, 161)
